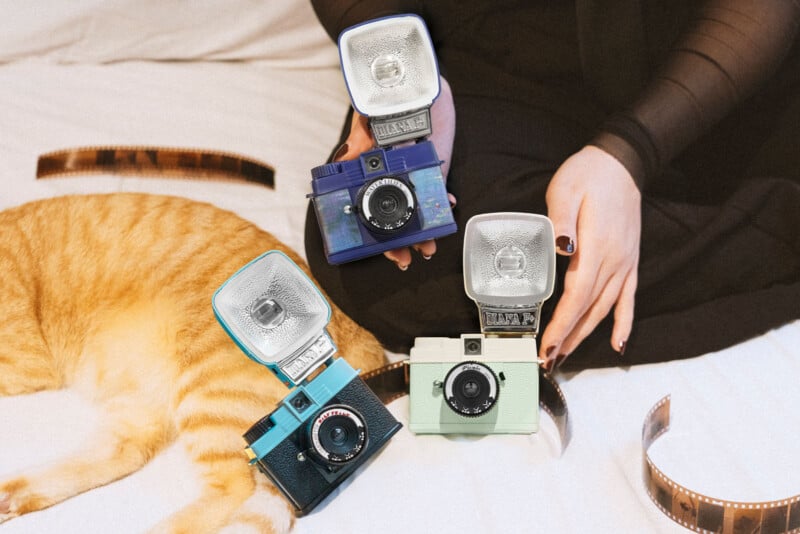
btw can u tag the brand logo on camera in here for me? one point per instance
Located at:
(509, 319)
(389, 130)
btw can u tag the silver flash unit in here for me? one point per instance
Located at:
(391, 73)
(509, 270)
(277, 316)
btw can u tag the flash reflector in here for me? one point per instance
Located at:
(276, 315)
(509, 268)
(389, 65)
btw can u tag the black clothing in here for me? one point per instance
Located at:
(665, 87)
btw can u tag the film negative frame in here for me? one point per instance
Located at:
(187, 163)
(702, 513)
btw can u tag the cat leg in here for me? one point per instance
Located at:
(26, 364)
(125, 440)
(217, 402)
(232, 500)
(266, 501)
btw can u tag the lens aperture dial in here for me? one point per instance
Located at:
(337, 434)
(471, 389)
(386, 204)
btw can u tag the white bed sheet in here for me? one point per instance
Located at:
(735, 416)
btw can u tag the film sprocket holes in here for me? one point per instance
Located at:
(325, 428)
(489, 382)
(392, 196)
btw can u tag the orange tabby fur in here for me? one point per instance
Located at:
(111, 295)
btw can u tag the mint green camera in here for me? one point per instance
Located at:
(488, 383)
(474, 385)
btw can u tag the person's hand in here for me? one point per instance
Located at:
(595, 207)
(443, 124)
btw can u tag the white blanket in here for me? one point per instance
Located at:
(735, 417)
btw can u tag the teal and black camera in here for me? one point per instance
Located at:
(330, 423)
(488, 382)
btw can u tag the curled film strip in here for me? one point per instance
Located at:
(154, 160)
(706, 514)
(686, 507)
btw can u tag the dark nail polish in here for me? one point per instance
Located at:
(565, 244)
(622, 346)
(560, 359)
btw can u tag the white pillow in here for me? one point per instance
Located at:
(100, 31)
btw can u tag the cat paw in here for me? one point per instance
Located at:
(264, 511)
(6, 508)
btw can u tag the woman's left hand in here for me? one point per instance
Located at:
(595, 207)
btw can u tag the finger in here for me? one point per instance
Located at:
(451, 197)
(400, 256)
(623, 313)
(426, 248)
(359, 140)
(599, 309)
(579, 293)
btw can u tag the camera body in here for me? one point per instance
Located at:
(392, 196)
(387, 198)
(330, 423)
(474, 384)
(319, 435)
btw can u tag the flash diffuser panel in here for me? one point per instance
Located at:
(271, 308)
(509, 259)
(389, 65)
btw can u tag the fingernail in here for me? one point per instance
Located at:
(549, 361)
(622, 346)
(565, 245)
(341, 151)
(401, 266)
(426, 256)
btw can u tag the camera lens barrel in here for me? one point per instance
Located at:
(471, 389)
(337, 434)
(386, 204)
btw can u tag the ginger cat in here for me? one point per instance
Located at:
(111, 295)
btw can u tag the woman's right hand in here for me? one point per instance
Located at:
(443, 119)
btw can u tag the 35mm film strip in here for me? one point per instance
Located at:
(155, 161)
(702, 513)
(688, 508)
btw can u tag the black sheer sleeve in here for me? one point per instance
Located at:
(730, 48)
(336, 15)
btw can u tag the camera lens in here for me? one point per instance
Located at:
(386, 204)
(471, 389)
(472, 346)
(374, 163)
(300, 402)
(337, 434)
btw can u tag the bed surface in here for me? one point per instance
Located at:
(281, 99)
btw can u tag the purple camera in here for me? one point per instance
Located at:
(395, 195)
